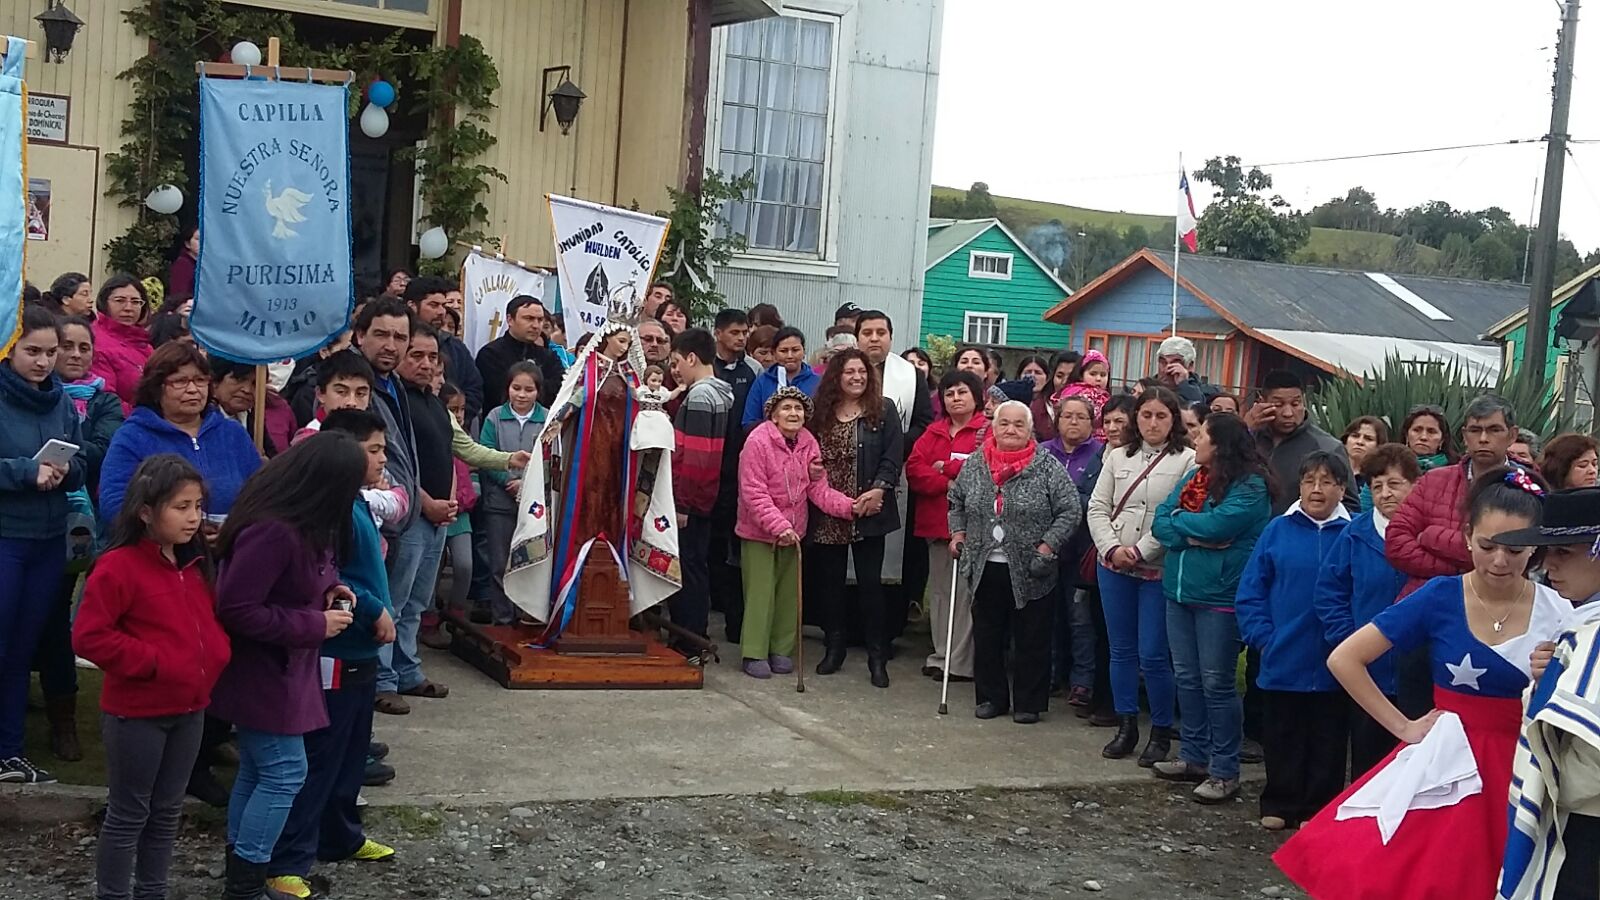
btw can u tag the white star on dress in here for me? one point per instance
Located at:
(1465, 673)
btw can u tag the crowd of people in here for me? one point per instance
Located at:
(1126, 548)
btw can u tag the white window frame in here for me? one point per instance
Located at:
(988, 319)
(429, 21)
(974, 272)
(824, 262)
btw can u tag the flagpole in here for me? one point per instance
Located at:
(1177, 252)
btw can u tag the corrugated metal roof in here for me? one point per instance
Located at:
(949, 236)
(1275, 296)
(1360, 354)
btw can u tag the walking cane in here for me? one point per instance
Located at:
(949, 636)
(799, 622)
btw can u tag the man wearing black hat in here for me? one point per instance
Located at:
(846, 314)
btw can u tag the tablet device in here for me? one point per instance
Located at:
(57, 453)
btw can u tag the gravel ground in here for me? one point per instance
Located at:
(1143, 841)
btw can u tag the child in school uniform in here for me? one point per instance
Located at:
(1306, 714)
(513, 425)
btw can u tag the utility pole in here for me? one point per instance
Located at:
(1536, 344)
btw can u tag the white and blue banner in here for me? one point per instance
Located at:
(274, 279)
(13, 190)
(605, 258)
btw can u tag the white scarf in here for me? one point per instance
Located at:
(900, 385)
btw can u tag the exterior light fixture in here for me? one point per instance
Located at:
(60, 27)
(564, 99)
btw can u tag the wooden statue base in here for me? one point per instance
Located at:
(598, 649)
(503, 653)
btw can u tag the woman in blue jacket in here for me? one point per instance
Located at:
(1305, 714)
(1357, 582)
(789, 349)
(1209, 525)
(173, 413)
(33, 519)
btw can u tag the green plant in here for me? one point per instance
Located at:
(453, 85)
(698, 240)
(942, 347)
(842, 797)
(1402, 385)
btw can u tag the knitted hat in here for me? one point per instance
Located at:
(995, 395)
(154, 291)
(787, 392)
(1178, 346)
(1020, 389)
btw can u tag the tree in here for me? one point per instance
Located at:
(1494, 260)
(980, 204)
(1455, 257)
(1242, 219)
(1357, 210)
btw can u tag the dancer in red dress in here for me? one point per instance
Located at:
(1433, 823)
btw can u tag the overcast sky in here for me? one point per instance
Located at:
(1089, 102)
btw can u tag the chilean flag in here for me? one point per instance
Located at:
(1186, 218)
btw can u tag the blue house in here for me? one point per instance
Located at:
(1247, 318)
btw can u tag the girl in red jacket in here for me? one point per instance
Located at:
(146, 620)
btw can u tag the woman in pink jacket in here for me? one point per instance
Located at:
(121, 342)
(779, 470)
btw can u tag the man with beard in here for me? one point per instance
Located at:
(429, 299)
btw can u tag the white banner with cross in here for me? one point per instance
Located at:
(487, 285)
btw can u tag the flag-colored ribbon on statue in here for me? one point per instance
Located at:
(13, 190)
(605, 258)
(274, 275)
(488, 284)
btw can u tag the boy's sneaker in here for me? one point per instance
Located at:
(377, 749)
(1216, 790)
(1079, 696)
(1180, 770)
(18, 770)
(377, 773)
(360, 801)
(290, 886)
(372, 851)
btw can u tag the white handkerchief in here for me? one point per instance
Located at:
(1440, 771)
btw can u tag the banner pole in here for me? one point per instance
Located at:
(258, 426)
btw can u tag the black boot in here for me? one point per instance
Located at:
(1126, 738)
(1158, 749)
(833, 655)
(878, 667)
(245, 880)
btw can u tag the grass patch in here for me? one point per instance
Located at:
(422, 822)
(842, 798)
(36, 734)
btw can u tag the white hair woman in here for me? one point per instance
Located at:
(1012, 510)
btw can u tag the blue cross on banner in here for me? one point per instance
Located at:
(274, 276)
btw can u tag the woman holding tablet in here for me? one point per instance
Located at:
(33, 517)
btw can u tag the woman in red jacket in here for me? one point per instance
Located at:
(935, 461)
(146, 620)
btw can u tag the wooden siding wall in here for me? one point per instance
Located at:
(1140, 305)
(654, 93)
(948, 293)
(105, 45)
(1517, 338)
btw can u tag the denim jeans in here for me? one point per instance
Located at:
(272, 767)
(1075, 638)
(1136, 627)
(413, 568)
(1205, 660)
(325, 822)
(30, 587)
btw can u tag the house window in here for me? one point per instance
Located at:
(1133, 356)
(981, 264)
(775, 122)
(984, 328)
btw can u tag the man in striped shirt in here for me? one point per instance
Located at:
(701, 425)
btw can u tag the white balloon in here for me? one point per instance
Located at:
(245, 53)
(374, 121)
(166, 200)
(433, 243)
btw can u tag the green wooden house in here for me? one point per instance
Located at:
(983, 286)
(1511, 333)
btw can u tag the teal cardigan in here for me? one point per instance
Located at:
(1201, 576)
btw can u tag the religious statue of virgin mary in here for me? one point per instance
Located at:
(604, 497)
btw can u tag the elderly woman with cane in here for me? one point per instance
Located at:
(780, 469)
(1012, 510)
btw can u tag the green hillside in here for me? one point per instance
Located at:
(1326, 245)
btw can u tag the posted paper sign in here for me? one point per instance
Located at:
(274, 279)
(488, 284)
(605, 258)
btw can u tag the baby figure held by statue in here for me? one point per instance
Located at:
(652, 428)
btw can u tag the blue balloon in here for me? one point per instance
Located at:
(381, 93)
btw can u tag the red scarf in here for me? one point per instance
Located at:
(1005, 464)
(1193, 497)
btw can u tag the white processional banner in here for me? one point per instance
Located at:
(605, 258)
(488, 284)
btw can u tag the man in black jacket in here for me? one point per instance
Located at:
(731, 365)
(426, 295)
(523, 340)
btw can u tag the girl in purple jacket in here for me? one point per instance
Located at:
(279, 598)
